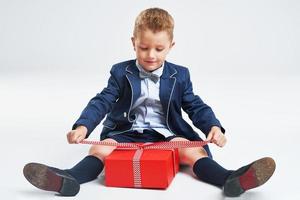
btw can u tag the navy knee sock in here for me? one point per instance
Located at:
(87, 169)
(210, 171)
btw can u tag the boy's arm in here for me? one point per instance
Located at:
(201, 114)
(99, 106)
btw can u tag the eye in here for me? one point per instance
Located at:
(143, 48)
(159, 49)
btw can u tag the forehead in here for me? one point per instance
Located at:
(148, 36)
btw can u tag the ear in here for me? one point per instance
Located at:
(133, 42)
(172, 44)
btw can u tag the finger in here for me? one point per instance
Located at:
(215, 142)
(209, 137)
(218, 142)
(73, 137)
(69, 137)
(222, 142)
(216, 139)
(79, 139)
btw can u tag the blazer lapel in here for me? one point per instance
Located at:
(167, 84)
(132, 75)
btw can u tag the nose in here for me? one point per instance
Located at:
(151, 53)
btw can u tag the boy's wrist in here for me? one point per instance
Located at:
(215, 128)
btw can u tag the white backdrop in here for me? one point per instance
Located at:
(244, 62)
(258, 36)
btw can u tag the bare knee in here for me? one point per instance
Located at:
(101, 151)
(190, 155)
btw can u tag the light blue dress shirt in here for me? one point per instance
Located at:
(147, 108)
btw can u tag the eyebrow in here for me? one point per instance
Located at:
(156, 46)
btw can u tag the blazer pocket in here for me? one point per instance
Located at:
(109, 124)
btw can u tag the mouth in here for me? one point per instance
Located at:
(150, 61)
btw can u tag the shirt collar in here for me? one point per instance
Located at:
(157, 72)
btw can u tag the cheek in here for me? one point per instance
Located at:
(141, 54)
(162, 55)
(137, 51)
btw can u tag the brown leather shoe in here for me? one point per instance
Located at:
(249, 176)
(51, 179)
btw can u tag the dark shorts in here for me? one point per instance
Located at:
(135, 136)
(146, 136)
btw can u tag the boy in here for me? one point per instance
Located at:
(143, 101)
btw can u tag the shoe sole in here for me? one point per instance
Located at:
(46, 178)
(256, 175)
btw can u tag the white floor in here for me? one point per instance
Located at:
(261, 116)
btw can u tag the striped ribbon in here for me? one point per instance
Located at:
(137, 175)
(150, 145)
(140, 147)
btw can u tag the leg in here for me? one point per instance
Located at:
(189, 156)
(91, 166)
(203, 166)
(66, 182)
(235, 182)
(249, 176)
(51, 179)
(100, 151)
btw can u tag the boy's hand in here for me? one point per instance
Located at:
(77, 135)
(216, 136)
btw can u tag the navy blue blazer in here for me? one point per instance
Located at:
(123, 89)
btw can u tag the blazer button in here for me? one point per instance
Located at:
(125, 114)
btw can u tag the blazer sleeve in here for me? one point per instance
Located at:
(201, 114)
(99, 105)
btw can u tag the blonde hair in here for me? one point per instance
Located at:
(154, 19)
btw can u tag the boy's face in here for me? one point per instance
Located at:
(151, 48)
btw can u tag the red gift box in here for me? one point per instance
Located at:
(148, 168)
